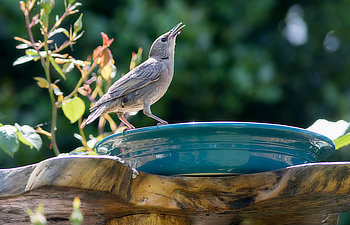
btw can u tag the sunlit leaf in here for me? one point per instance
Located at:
(73, 7)
(8, 139)
(92, 142)
(108, 71)
(24, 59)
(47, 5)
(23, 46)
(31, 52)
(67, 67)
(23, 40)
(44, 17)
(42, 82)
(81, 63)
(24, 141)
(31, 4)
(78, 136)
(106, 41)
(57, 68)
(56, 90)
(96, 54)
(107, 67)
(60, 61)
(62, 56)
(22, 6)
(79, 35)
(78, 25)
(28, 136)
(85, 90)
(73, 109)
(35, 20)
(136, 58)
(342, 141)
(59, 30)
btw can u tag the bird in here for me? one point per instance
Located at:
(144, 85)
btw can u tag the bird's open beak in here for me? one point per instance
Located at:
(176, 30)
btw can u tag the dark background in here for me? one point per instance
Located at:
(272, 61)
(283, 62)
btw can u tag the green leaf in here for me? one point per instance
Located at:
(73, 109)
(31, 52)
(42, 82)
(57, 68)
(136, 58)
(28, 136)
(47, 5)
(342, 141)
(78, 25)
(8, 139)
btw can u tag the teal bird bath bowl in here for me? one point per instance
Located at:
(216, 148)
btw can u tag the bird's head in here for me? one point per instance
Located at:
(163, 47)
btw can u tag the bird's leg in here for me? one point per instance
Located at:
(147, 112)
(121, 117)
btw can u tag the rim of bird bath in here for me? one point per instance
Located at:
(216, 148)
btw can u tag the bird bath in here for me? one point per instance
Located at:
(216, 148)
(269, 190)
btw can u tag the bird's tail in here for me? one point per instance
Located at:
(94, 115)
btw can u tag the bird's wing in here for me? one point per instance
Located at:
(141, 76)
(144, 74)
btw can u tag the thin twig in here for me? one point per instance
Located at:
(83, 76)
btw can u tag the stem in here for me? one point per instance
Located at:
(26, 15)
(63, 46)
(101, 125)
(60, 20)
(46, 65)
(83, 76)
(82, 134)
(52, 99)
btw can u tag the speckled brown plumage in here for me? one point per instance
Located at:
(142, 86)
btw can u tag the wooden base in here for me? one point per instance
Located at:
(306, 194)
(150, 219)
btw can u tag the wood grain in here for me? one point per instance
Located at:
(305, 194)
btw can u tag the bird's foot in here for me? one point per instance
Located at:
(127, 128)
(162, 123)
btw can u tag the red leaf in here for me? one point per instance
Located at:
(106, 41)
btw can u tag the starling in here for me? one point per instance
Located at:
(142, 86)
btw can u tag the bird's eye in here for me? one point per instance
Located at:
(163, 39)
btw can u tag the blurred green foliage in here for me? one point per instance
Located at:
(260, 60)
